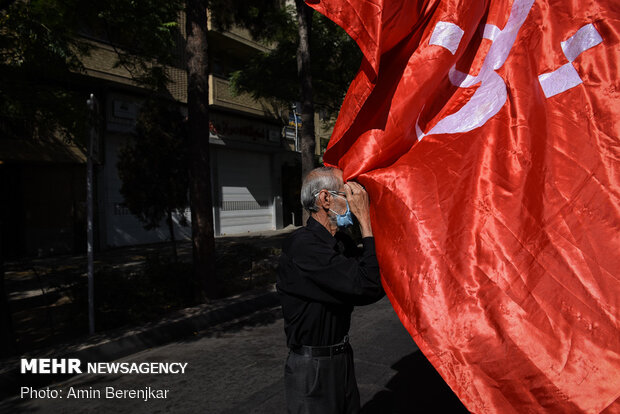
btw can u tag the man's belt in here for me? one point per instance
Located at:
(323, 351)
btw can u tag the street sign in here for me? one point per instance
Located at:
(289, 133)
(292, 118)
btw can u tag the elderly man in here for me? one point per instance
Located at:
(322, 276)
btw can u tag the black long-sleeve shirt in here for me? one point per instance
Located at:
(319, 282)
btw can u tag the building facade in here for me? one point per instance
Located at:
(254, 166)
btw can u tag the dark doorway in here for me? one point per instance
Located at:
(291, 190)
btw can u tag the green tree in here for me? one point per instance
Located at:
(224, 13)
(273, 75)
(313, 62)
(41, 46)
(203, 242)
(42, 43)
(153, 168)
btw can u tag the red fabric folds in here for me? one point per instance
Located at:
(487, 134)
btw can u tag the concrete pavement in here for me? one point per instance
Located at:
(237, 367)
(36, 276)
(40, 290)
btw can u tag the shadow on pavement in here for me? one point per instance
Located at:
(416, 388)
(259, 318)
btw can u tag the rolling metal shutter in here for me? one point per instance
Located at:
(246, 200)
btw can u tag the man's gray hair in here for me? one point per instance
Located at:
(316, 180)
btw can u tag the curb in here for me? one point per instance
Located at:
(119, 343)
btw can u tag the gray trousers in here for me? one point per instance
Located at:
(321, 385)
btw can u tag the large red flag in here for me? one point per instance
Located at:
(487, 134)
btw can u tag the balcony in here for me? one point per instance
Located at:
(239, 35)
(221, 95)
(100, 63)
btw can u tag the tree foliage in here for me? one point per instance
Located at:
(41, 46)
(153, 166)
(144, 34)
(273, 74)
(223, 13)
(264, 19)
(38, 49)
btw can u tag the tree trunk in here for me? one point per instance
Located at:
(173, 241)
(304, 20)
(203, 243)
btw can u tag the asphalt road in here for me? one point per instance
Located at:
(238, 368)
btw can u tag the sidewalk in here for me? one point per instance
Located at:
(30, 277)
(34, 295)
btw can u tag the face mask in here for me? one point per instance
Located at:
(346, 219)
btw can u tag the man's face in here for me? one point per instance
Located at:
(340, 204)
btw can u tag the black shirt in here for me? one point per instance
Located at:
(320, 279)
